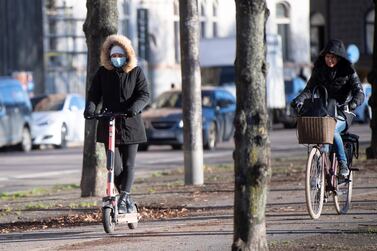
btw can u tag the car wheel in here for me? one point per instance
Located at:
(212, 137)
(36, 147)
(26, 143)
(143, 147)
(176, 147)
(63, 142)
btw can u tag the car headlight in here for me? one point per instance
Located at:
(180, 124)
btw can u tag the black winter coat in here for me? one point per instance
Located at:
(121, 92)
(340, 82)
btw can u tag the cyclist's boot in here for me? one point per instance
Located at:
(343, 169)
(122, 203)
(130, 204)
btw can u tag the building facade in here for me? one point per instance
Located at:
(21, 41)
(54, 48)
(153, 28)
(350, 21)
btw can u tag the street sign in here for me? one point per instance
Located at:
(353, 53)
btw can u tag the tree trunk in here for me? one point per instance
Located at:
(101, 21)
(191, 92)
(371, 151)
(252, 145)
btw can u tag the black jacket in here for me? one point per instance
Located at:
(120, 90)
(341, 82)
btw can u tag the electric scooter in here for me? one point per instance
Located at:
(110, 215)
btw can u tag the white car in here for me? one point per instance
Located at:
(58, 119)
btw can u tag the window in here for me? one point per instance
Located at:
(283, 21)
(202, 21)
(369, 31)
(214, 19)
(126, 21)
(317, 35)
(177, 53)
(77, 103)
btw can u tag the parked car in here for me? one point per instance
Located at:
(364, 112)
(164, 124)
(15, 115)
(58, 119)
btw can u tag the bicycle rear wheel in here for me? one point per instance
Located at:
(315, 183)
(343, 194)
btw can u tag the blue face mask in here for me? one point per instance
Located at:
(118, 62)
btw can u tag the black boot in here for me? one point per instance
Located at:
(130, 204)
(122, 203)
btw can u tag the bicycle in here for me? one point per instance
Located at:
(110, 215)
(323, 179)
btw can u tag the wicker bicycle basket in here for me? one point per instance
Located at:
(316, 130)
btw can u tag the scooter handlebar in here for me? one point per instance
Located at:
(109, 115)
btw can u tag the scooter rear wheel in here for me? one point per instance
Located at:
(107, 220)
(134, 225)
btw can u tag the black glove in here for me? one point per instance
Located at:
(89, 110)
(352, 105)
(131, 114)
(296, 105)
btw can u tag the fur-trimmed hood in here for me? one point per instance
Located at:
(123, 42)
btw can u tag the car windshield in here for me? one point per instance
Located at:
(48, 103)
(174, 100)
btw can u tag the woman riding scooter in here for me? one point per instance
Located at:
(122, 87)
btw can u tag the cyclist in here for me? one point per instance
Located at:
(335, 72)
(122, 87)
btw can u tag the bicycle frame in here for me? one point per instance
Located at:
(330, 164)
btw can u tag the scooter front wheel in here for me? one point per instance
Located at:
(107, 220)
(134, 224)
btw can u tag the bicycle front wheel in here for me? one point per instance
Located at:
(315, 183)
(343, 194)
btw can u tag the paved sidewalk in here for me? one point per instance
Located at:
(178, 217)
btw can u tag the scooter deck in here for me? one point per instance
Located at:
(129, 218)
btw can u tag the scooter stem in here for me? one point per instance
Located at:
(110, 159)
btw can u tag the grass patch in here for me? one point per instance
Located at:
(151, 190)
(23, 194)
(65, 187)
(372, 230)
(39, 205)
(175, 184)
(89, 204)
(9, 210)
(161, 174)
(37, 192)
